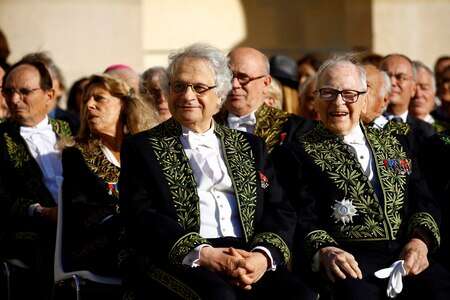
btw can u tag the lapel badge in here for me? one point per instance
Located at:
(402, 166)
(264, 180)
(344, 211)
(282, 137)
(112, 189)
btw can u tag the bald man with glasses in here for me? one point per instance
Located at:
(244, 108)
(31, 172)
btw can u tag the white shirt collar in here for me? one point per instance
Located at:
(380, 121)
(355, 136)
(249, 119)
(390, 116)
(429, 119)
(43, 125)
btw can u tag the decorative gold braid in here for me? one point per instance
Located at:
(275, 241)
(97, 162)
(333, 157)
(269, 124)
(426, 221)
(176, 169)
(240, 161)
(317, 239)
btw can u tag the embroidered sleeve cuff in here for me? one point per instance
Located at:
(271, 266)
(425, 221)
(193, 257)
(274, 240)
(317, 239)
(184, 246)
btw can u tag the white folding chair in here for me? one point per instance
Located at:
(61, 275)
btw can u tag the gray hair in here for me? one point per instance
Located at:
(160, 72)
(343, 59)
(216, 59)
(417, 65)
(312, 80)
(387, 85)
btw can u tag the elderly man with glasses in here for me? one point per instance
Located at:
(360, 201)
(244, 108)
(201, 205)
(31, 171)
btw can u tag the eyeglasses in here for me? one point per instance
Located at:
(329, 94)
(198, 88)
(400, 77)
(22, 92)
(244, 79)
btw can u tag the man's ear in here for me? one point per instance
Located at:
(49, 96)
(364, 104)
(414, 90)
(267, 80)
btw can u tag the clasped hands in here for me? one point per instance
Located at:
(338, 264)
(243, 268)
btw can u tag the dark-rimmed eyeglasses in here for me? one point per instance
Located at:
(197, 88)
(400, 77)
(244, 79)
(8, 92)
(329, 94)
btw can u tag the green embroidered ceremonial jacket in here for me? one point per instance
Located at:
(21, 170)
(160, 204)
(323, 177)
(91, 198)
(274, 126)
(21, 179)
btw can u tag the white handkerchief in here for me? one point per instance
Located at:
(395, 273)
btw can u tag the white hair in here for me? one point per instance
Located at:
(216, 59)
(386, 88)
(343, 59)
(311, 81)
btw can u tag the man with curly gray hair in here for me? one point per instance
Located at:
(216, 223)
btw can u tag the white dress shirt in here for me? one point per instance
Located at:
(41, 141)
(429, 119)
(109, 155)
(245, 123)
(219, 216)
(357, 141)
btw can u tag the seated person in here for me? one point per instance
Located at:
(91, 166)
(360, 199)
(201, 207)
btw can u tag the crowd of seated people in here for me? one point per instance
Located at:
(193, 182)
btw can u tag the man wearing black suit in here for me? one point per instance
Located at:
(403, 87)
(201, 206)
(31, 171)
(244, 108)
(360, 199)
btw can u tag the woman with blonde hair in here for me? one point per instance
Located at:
(110, 111)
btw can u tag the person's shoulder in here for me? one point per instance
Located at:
(60, 127)
(420, 126)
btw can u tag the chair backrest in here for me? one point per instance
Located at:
(60, 273)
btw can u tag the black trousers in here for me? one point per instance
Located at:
(431, 284)
(200, 283)
(184, 282)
